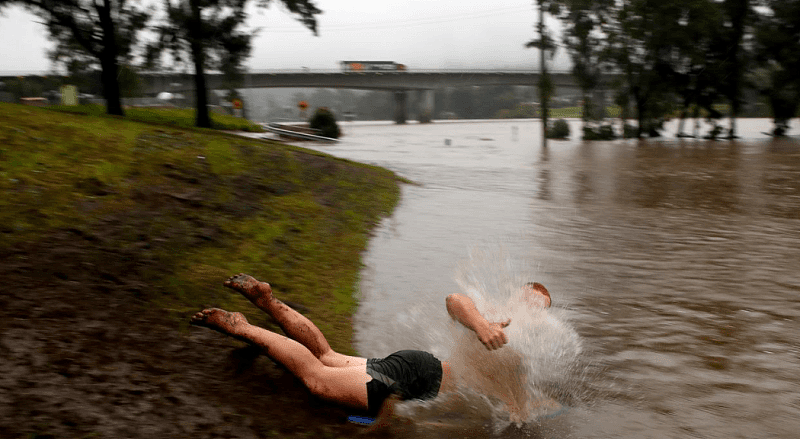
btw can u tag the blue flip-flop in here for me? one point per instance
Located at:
(361, 420)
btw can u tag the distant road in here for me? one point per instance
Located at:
(417, 79)
(374, 80)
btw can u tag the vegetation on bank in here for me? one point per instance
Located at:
(324, 121)
(559, 129)
(176, 117)
(182, 209)
(528, 111)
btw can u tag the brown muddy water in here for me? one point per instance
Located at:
(673, 266)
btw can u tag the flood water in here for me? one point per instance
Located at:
(675, 261)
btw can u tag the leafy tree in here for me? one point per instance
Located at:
(585, 43)
(4, 3)
(559, 130)
(88, 33)
(325, 121)
(728, 54)
(777, 40)
(642, 39)
(696, 59)
(209, 32)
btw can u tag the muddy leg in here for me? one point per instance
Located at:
(294, 324)
(345, 385)
(224, 322)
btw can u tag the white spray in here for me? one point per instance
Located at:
(533, 376)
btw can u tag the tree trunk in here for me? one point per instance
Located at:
(687, 102)
(108, 61)
(639, 120)
(544, 88)
(738, 19)
(198, 55)
(640, 110)
(680, 123)
(586, 109)
(734, 97)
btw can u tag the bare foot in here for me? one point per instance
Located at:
(260, 293)
(219, 320)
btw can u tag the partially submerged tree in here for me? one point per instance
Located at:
(210, 34)
(693, 52)
(642, 37)
(695, 61)
(93, 33)
(778, 53)
(584, 39)
(546, 47)
(737, 17)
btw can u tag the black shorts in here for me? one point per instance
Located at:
(410, 374)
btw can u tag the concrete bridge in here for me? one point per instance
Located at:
(399, 82)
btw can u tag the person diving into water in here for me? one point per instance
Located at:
(360, 383)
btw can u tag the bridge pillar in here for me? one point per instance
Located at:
(428, 105)
(400, 107)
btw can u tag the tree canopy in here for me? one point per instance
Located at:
(209, 34)
(93, 33)
(777, 43)
(686, 53)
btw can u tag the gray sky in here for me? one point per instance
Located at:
(423, 34)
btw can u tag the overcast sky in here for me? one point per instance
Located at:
(423, 34)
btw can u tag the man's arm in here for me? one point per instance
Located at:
(462, 308)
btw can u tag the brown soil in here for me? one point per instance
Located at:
(81, 357)
(85, 354)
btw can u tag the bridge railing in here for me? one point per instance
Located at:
(338, 71)
(17, 73)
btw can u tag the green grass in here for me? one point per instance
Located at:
(577, 112)
(191, 207)
(556, 113)
(553, 113)
(176, 117)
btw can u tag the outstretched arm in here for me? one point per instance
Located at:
(462, 308)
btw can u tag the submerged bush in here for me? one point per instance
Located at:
(602, 132)
(324, 121)
(715, 131)
(629, 131)
(559, 130)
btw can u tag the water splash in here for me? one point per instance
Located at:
(536, 375)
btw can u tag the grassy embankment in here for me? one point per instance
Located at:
(174, 117)
(178, 210)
